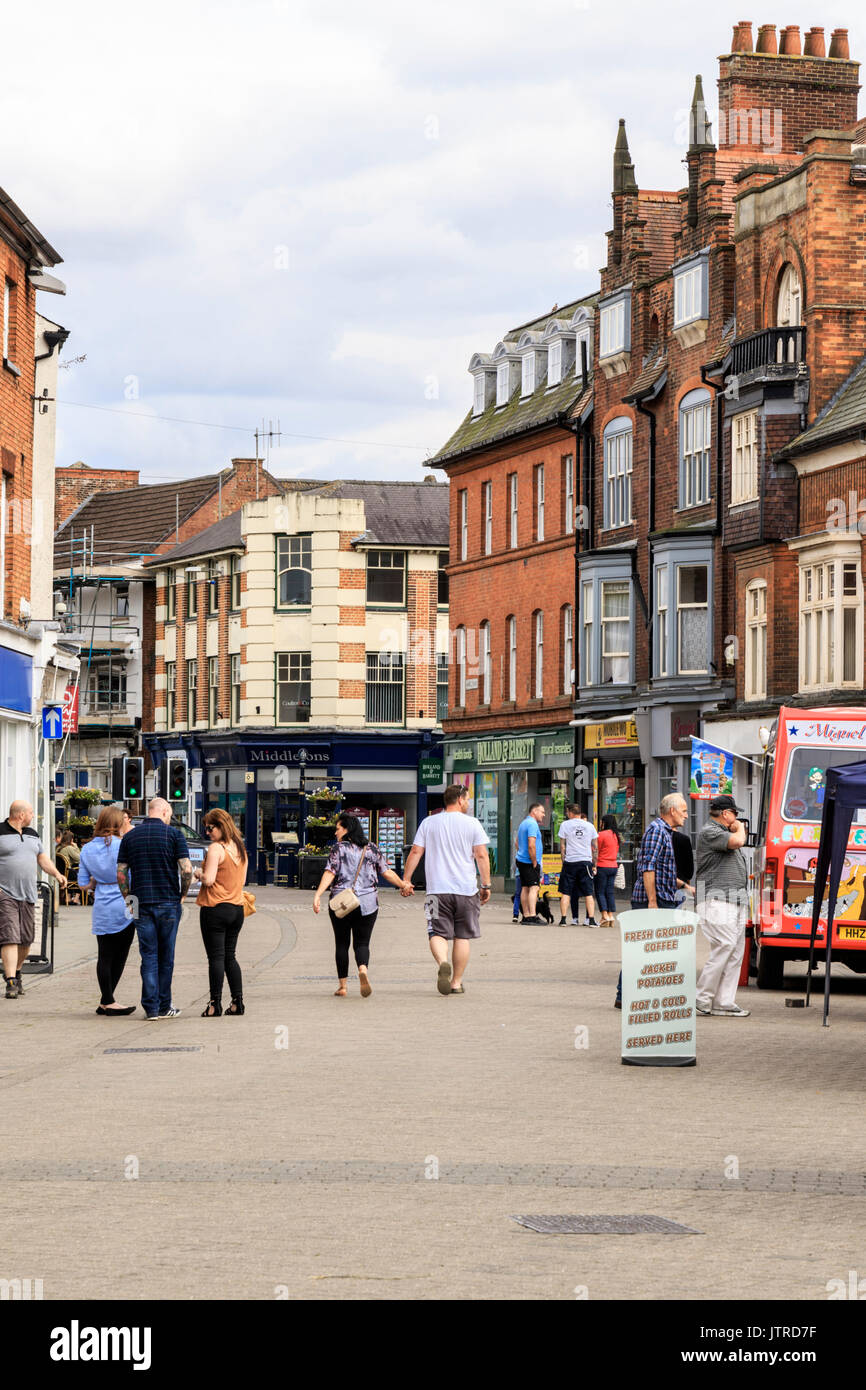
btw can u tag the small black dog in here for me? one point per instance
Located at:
(542, 907)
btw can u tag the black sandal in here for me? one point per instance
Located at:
(236, 1006)
(117, 1013)
(213, 1010)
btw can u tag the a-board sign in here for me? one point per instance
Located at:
(658, 987)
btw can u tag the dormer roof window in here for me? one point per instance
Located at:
(533, 355)
(559, 338)
(508, 371)
(483, 371)
(691, 314)
(581, 326)
(614, 352)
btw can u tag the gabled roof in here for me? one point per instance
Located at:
(843, 416)
(131, 522)
(223, 535)
(18, 228)
(398, 513)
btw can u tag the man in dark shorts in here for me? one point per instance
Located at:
(21, 853)
(455, 844)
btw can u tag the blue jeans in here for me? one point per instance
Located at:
(604, 889)
(157, 929)
(636, 907)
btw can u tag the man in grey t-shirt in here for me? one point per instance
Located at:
(21, 853)
(722, 902)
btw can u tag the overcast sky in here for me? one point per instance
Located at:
(318, 212)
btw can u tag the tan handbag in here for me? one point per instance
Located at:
(347, 900)
(249, 903)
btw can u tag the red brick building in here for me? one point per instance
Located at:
(511, 466)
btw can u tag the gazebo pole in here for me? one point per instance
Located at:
(827, 974)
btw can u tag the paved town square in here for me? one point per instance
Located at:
(323, 1148)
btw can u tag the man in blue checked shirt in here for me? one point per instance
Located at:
(655, 879)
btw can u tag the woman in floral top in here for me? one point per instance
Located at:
(356, 927)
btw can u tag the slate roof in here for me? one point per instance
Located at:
(844, 415)
(544, 406)
(647, 377)
(399, 513)
(131, 522)
(224, 534)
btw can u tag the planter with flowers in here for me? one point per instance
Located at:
(81, 799)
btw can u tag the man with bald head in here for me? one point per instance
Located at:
(21, 852)
(153, 865)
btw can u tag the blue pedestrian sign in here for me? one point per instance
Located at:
(52, 721)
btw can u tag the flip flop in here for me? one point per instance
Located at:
(341, 993)
(443, 979)
(458, 989)
(366, 987)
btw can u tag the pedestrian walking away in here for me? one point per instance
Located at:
(112, 923)
(723, 907)
(578, 845)
(21, 854)
(530, 848)
(655, 880)
(355, 864)
(153, 865)
(455, 845)
(607, 847)
(221, 916)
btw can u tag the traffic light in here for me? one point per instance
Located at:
(176, 779)
(133, 779)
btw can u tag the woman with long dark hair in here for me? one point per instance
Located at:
(221, 900)
(605, 869)
(355, 863)
(112, 924)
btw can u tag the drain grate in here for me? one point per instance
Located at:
(604, 1226)
(108, 1050)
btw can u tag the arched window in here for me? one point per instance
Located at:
(696, 419)
(486, 663)
(511, 633)
(617, 472)
(756, 640)
(789, 307)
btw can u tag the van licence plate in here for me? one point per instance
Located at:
(851, 933)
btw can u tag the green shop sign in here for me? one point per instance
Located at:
(504, 751)
(431, 771)
(555, 749)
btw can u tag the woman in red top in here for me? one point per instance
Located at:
(605, 869)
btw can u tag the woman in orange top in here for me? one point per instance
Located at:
(222, 909)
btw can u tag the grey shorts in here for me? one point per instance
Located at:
(17, 922)
(453, 914)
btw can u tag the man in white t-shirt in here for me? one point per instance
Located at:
(455, 844)
(578, 845)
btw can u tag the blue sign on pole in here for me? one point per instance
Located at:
(52, 721)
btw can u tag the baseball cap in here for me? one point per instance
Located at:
(723, 803)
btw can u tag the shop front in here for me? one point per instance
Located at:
(284, 791)
(505, 774)
(617, 779)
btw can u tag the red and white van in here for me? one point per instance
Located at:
(803, 744)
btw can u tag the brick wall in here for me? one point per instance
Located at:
(74, 484)
(16, 430)
(422, 599)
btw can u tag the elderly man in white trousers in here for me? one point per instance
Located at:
(722, 904)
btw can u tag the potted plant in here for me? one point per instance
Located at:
(81, 827)
(80, 799)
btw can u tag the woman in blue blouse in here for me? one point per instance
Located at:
(355, 863)
(113, 926)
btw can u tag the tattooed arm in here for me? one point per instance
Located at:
(123, 879)
(185, 868)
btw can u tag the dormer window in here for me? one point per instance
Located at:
(503, 383)
(690, 302)
(483, 382)
(527, 377)
(554, 364)
(615, 335)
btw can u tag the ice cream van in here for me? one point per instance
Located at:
(803, 744)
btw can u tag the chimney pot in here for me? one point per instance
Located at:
(813, 46)
(742, 40)
(767, 41)
(790, 44)
(839, 44)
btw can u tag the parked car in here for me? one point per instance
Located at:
(197, 847)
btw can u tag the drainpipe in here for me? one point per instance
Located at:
(651, 526)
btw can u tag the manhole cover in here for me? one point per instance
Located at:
(604, 1225)
(150, 1049)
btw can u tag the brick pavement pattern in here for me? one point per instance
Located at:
(246, 1168)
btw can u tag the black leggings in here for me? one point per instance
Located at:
(358, 929)
(113, 948)
(220, 927)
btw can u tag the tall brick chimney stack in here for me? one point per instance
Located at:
(769, 100)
